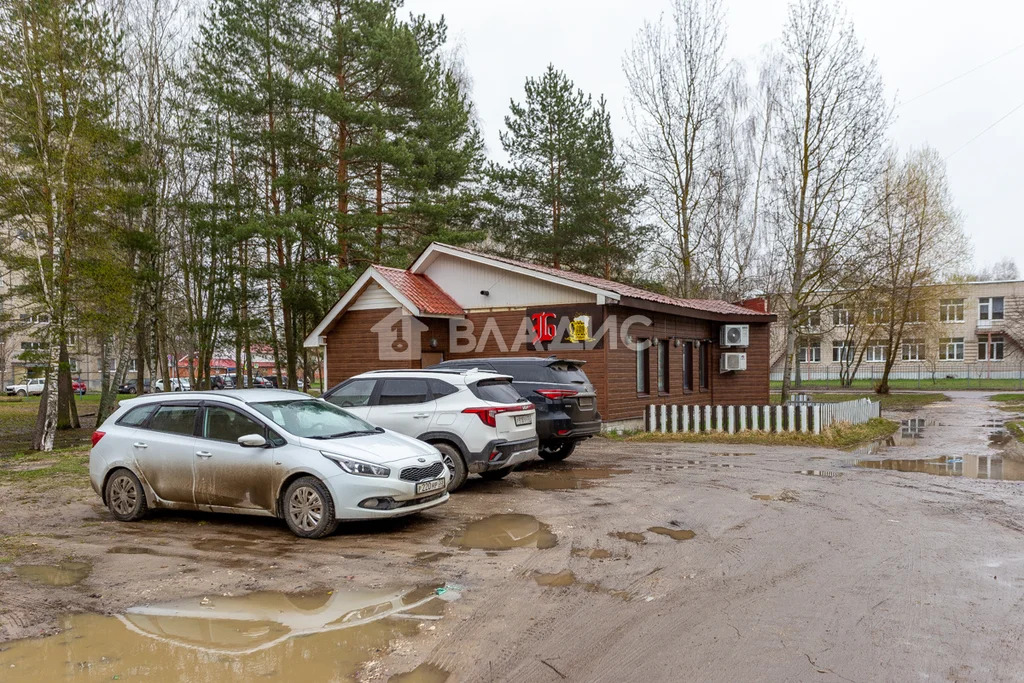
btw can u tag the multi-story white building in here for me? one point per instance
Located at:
(971, 329)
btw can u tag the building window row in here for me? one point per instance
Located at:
(950, 311)
(876, 351)
(643, 365)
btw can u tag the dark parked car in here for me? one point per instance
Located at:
(564, 397)
(129, 387)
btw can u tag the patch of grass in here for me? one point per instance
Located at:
(13, 547)
(842, 435)
(64, 467)
(925, 384)
(1007, 398)
(889, 401)
(1016, 427)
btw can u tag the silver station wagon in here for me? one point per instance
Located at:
(262, 452)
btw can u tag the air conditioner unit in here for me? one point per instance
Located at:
(731, 362)
(735, 335)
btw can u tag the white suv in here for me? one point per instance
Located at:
(30, 387)
(475, 419)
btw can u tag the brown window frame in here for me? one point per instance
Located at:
(688, 366)
(664, 369)
(704, 363)
(643, 367)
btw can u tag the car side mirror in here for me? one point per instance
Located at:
(252, 441)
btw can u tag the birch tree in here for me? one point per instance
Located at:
(827, 138)
(919, 245)
(674, 71)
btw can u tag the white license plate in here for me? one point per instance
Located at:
(428, 486)
(586, 403)
(522, 420)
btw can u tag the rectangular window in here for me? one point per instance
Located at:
(663, 387)
(951, 348)
(913, 349)
(914, 314)
(688, 366)
(809, 352)
(877, 315)
(33, 346)
(704, 363)
(951, 310)
(840, 316)
(990, 308)
(842, 352)
(399, 392)
(131, 366)
(810, 318)
(73, 365)
(174, 419)
(990, 349)
(876, 351)
(643, 365)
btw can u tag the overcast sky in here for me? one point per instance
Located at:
(919, 44)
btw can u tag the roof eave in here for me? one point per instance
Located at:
(658, 307)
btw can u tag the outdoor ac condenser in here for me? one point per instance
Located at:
(735, 335)
(732, 362)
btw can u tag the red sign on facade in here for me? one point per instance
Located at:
(543, 328)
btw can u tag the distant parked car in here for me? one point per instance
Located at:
(284, 381)
(476, 419)
(30, 387)
(563, 395)
(176, 385)
(131, 387)
(220, 382)
(263, 452)
(79, 387)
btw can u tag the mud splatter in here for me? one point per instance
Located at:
(631, 536)
(675, 534)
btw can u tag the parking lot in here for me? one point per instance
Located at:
(627, 561)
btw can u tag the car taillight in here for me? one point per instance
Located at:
(556, 393)
(489, 415)
(96, 436)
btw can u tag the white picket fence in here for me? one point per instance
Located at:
(809, 417)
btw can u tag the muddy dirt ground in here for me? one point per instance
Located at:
(630, 561)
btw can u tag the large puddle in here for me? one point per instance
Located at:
(328, 635)
(66, 573)
(568, 479)
(973, 466)
(502, 532)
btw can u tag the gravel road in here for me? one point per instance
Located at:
(629, 561)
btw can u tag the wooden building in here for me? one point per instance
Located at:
(641, 348)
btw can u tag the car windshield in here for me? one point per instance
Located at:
(313, 419)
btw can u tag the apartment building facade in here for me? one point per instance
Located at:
(973, 329)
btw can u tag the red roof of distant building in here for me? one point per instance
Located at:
(421, 291)
(708, 305)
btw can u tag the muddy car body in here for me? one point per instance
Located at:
(261, 452)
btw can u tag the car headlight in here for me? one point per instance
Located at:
(359, 467)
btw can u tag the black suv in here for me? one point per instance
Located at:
(564, 397)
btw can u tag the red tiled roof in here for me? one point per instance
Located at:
(421, 291)
(707, 305)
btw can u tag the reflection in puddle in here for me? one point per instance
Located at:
(66, 573)
(501, 532)
(424, 673)
(820, 473)
(674, 534)
(567, 479)
(1000, 438)
(631, 536)
(228, 638)
(972, 466)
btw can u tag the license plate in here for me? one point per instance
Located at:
(522, 420)
(428, 486)
(586, 403)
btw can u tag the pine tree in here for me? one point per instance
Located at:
(563, 199)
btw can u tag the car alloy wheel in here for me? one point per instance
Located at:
(124, 495)
(306, 508)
